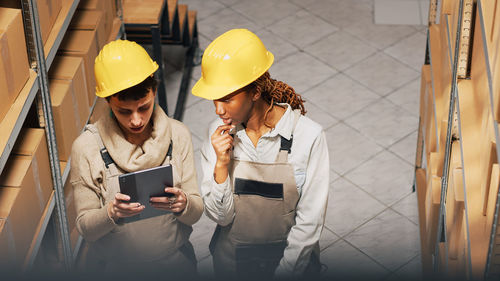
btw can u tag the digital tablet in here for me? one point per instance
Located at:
(144, 184)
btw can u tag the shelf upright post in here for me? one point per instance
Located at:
(51, 137)
(450, 135)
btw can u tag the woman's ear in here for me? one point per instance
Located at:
(255, 94)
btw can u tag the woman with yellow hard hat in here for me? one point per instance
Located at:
(265, 165)
(136, 135)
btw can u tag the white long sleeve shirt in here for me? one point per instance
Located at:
(309, 157)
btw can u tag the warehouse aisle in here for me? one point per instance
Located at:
(361, 81)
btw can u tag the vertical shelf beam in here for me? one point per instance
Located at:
(51, 137)
(451, 131)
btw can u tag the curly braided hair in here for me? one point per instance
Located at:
(274, 91)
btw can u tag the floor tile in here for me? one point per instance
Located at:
(172, 86)
(341, 13)
(349, 207)
(341, 96)
(333, 177)
(348, 148)
(192, 99)
(389, 238)
(408, 207)
(411, 271)
(410, 50)
(276, 45)
(204, 8)
(302, 28)
(198, 117)
(197, 164)
(229, 3)
(340, 50)
(318, 115)
(406, 148)
(382, 73)
(327, 238)
(383, 122)
(301, 71)
(222, 21)
(379, 35)
(265, 12)
(344, 262)
(384, 176)
(397, 12)
(408, 97)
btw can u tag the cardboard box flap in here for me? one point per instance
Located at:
(28, 141)
(15, 170)
(86, 20)
(78, 41)
(8, 197)
(65, 67)
(58, 90)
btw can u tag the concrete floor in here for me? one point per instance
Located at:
(361, 81)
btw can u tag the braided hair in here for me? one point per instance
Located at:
(274, 91)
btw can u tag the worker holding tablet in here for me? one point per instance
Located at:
(265, 166)
(135, 135)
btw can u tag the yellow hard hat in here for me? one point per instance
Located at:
(231, 62)
(121, 64)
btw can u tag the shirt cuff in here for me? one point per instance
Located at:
(219, 190)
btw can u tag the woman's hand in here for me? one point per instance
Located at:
(176, 203)
(121, 208)
(222, 142)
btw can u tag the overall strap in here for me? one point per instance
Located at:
(169, 152)
(286, 145)
(108, 161)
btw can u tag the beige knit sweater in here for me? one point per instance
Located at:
(148, 239)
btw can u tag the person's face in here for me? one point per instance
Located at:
(235, 108)
(133, 115)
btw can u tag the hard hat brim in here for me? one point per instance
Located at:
(204, 90)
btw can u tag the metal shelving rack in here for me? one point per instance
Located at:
(36, 92)
(459, 53)
(495, 226)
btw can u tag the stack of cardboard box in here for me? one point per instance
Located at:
(26, 183)
(14, 68)
(48, 10)
(25, 190)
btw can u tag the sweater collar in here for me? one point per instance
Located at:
(130, 157)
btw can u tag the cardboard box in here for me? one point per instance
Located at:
(19, 203)
(72, 69)
(83, 44)
(7, 251)
(64, 118)
(105, 6)
(48, 10)
(91, 20)
(432, 211)
(33, 144)
(14, 67)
